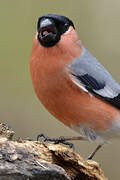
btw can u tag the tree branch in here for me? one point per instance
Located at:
(26, 159)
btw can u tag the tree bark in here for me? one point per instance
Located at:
(30, 160)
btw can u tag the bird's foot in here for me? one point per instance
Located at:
(61, 139)
(94, 152)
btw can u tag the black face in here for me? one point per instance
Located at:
(50, 28)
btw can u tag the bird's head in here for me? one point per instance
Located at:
(51, 27)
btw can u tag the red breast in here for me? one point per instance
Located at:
(55, 89)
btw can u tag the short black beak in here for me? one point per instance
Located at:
(47, 32)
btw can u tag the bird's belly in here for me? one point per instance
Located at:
(74, 107)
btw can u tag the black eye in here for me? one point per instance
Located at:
(66, 25)
(64, 28)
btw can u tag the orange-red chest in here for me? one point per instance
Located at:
(60, 95)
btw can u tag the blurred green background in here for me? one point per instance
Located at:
(98, 25)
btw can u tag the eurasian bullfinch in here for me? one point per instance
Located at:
(72, 85)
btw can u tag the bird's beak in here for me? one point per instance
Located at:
(47, 30)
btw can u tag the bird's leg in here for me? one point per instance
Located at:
(94, 152)
(61, 139)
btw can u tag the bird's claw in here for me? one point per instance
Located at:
(61, 140)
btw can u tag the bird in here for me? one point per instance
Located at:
(71, 84)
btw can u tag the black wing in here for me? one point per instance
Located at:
(93, 77)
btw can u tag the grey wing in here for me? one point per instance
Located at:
(92, 77)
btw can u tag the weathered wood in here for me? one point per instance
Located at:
(30, 160)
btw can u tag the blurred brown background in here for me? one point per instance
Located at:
(98, 25)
